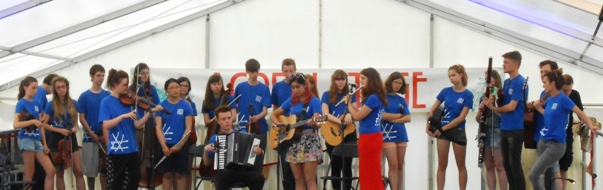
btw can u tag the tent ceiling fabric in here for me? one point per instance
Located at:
(11, 7)
(87, 42)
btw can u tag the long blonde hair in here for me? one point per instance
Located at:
(59, 105)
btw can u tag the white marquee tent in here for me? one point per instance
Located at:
(38, 37)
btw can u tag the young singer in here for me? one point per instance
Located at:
(339, 88)
(369, 115)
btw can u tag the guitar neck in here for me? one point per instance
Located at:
(299, 124)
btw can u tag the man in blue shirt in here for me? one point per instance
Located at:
(511, 125)
(89, 105)
(250, 177)
(281, 91)
(256, 94)
(43, 90)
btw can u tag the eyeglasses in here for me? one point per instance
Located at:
(398, 83)
(298, 75)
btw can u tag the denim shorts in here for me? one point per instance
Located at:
(493, 138)
(30, 145)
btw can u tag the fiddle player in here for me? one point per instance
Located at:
(170, 130)
(89, 104)
(251, 177)
(62, 115)
(257, 94)
(119, 122)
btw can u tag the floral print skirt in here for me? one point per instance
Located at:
(307, 149)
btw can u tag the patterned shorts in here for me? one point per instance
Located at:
(307, 149)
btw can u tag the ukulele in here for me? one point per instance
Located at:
(293, 129)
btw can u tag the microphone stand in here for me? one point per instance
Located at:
(341, 133)
(147, 133)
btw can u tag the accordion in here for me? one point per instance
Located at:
(235, 149)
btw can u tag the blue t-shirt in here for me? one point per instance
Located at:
(258, 96)
(313, 108)
(89, 105)
(454, 102)
(513, 90)
(154, 99)
(122, 138)
(335, 110)
(217, 101)
(174, 124)
(194, 107)
(372, 122)
(396, 104)
(60, 122)
(556, 117)
(34, 109)
(40, 97)
(281, 91)
(539, 119)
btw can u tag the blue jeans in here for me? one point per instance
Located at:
(511, 143)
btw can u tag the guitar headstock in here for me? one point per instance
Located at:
(322, 119)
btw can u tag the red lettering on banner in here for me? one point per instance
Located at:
(242, 74)
(277, 74)
(407, 94)
(415, 92)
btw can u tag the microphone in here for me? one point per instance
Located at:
(351, 93)
(353, 86)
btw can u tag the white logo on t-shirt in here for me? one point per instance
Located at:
(460, 100)
(37, 109)
(554, 106)
(180, 111)
(258, 98)
(511, 91)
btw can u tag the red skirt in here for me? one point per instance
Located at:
(369, 158)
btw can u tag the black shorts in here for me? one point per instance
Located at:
(177, 162)
(53, 142)
(568, 157)
(455, 135)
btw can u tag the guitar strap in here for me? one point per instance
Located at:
(303, 111)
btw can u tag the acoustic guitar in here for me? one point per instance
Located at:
(293, 129)
(332, 134)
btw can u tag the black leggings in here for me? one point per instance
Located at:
(123, 171)
(337, 165)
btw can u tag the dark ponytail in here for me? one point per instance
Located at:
(115, 77)
(557, 77)
(25, 83)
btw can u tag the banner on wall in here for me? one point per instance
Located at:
(423, 85)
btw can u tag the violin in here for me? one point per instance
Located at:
(192, 138)
(26, 116)
(130, 99)
(64, 156)
(252, 127)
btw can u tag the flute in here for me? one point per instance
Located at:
(164, 157)
(351, 93)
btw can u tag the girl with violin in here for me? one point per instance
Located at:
(215, 96)
(89, 104)
(120, 122)
(185, 89)
(395, 137)
(170, 130)
(142, 79)
(457, 103)
(31, 138)
(339, 88)
(303, 156)
(62, 115)
(493, 155)
(369, 116)
(551, 145)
